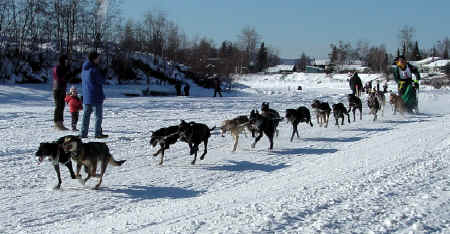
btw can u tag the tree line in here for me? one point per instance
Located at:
(376, 57)
(74, 27)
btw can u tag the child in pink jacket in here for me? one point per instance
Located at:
(75, 105)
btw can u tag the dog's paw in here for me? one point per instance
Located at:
(57, 187)
(193, 162)
(202, 157)
(253, 145)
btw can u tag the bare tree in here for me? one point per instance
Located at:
(362, 49)
(248, 40)
(406, 36)
(378, 59)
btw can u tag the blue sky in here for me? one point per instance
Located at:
(296, 26)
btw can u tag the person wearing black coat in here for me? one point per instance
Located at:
(60, 79)
(178, 88)
(355, 84)
(217, 88)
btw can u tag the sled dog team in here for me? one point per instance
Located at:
(259, 123)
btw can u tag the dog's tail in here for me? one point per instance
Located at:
(115, 163)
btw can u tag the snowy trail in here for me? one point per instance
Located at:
(366, 177)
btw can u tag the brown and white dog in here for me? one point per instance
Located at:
(88, 155)
(323, 111)
(374, 105)
(398, 105)
(236, 126)
(381, 100)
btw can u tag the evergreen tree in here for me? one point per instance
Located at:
(445, 54)
(334, 54)
(398, 52)
(404, 50)
(302, 63)
(262, 60)
(416, 53)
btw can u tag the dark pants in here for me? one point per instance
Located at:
(217, 91)
(59, 96)
(74, 119)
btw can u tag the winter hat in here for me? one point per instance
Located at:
(73, 89)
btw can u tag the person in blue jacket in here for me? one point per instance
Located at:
(93, 95)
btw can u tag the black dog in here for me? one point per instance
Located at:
(339, 111)
(322, 112)
(373, 104)
(296, 116)
(354, 103)
(55, 153)
(164, 137)
(194, 134)
(262, 124)
(272, 114)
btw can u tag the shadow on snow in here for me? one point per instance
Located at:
(148, 192)
(336, 139)
(303, 151)
(247, 166)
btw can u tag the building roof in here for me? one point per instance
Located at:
(424, 61)
(321, 62)
(279, 68)
(438, 63)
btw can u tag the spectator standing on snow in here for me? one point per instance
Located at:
(75, 105)
(93, 95)
(186, 89)
(178, 88)
(60, 78)
(217, 88)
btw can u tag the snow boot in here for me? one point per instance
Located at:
(59, 126)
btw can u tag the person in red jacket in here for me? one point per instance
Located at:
(75, 105)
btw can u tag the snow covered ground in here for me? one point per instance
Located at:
(388, 176)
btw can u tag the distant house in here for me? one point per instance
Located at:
(422, 65)
(320, 66)
(314, 69)
(436, 66)
(281, 69)
(353, 68)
